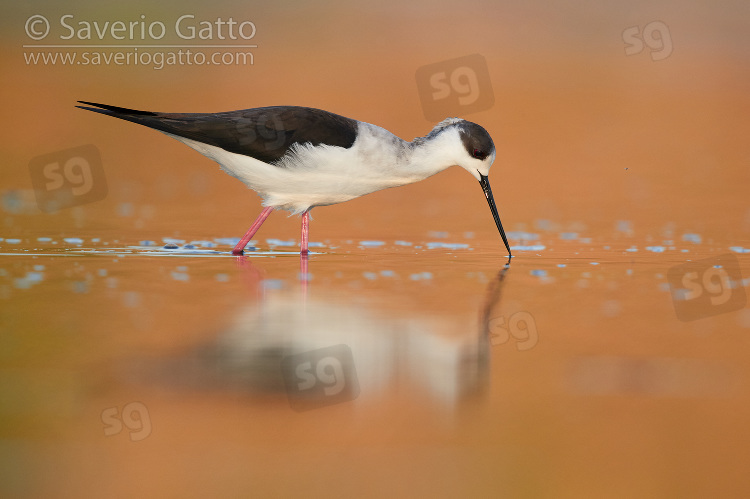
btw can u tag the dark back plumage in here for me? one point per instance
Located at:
(264, 133)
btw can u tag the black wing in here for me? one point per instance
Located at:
(264, 133)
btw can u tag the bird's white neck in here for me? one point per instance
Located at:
(408, 162)
(432, 155)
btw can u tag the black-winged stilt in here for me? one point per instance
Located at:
(297, 158)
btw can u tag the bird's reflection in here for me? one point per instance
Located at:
(330, 340)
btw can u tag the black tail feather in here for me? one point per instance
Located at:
(113, 110)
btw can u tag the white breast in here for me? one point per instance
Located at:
(318, 175)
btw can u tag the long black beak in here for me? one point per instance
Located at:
(485, 183)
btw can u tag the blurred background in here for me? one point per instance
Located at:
(621, 134)
(574, 118)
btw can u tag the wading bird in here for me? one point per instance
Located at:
(298, 158)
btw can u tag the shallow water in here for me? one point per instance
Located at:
(378, 359)
(139, 359)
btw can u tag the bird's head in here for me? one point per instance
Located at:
(471, 147)
(478, 148)
(465, 144)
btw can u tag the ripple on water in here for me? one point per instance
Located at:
(229, 241)
(433, 245)
(693, 238)
(533, 247)
(205, 244)
(279, 242)
(522, 235)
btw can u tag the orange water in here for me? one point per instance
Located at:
(574, 373)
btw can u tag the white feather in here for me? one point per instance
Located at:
(309, 176)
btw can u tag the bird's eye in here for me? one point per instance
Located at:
(478, 154)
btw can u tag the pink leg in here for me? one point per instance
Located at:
(304, 275)
(252, 230)
(305, 229)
